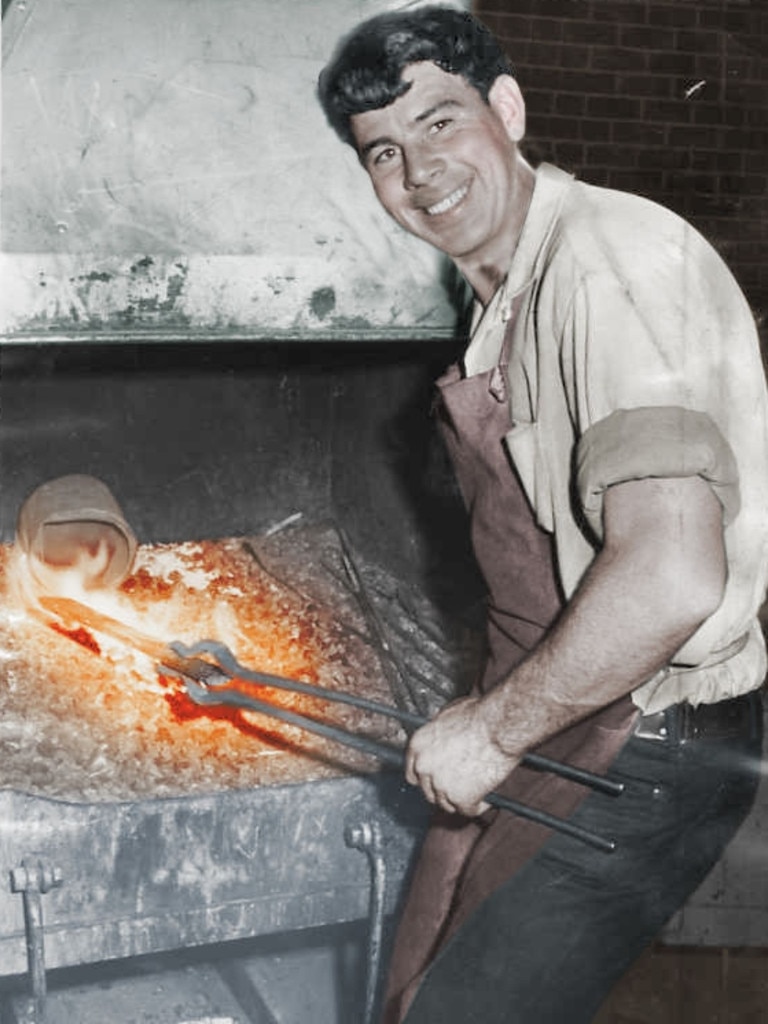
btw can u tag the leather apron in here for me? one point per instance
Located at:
(462, 860)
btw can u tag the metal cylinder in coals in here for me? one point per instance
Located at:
(74, 523)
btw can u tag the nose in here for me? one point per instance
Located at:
(420, 167)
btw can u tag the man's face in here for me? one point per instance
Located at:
(442, 162)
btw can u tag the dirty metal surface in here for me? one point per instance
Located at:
(159, 875)
(168, 174)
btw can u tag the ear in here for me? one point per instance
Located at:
(506, 101)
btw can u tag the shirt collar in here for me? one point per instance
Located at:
(489, 323)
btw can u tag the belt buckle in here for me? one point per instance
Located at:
(653, 727)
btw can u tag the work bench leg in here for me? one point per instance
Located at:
(33, 879)
(366, 837)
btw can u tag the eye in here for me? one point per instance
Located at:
(384, 156)
(439, 126)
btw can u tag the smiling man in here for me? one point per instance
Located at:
(444, 163)
(608, 427)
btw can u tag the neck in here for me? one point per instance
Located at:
(486, 272)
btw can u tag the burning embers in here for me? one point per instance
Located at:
(85, 713)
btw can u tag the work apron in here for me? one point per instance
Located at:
(462, 860)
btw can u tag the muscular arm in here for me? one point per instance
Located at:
(660, 573)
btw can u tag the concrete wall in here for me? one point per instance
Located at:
(168, 173)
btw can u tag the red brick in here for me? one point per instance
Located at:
(675, 63)
(727, 20)
(618, 58)
(720, 160)
(639, 132)
(738, 139)
(700, 41)
(740, 118)
(708, 67)
(628, 12)
(618, 108)
(569, 155)
(668, 111)
(561, 129)
(747, 68)
(647, 37)
(613, 156)
(483, 7)
(708, 113)
(594, 33)
(544, 54)
(750, 93)
(663, 158)
(540, 102)
(547, 28)
(674, 15)
(589, 82)
(695, 135)
(662, 86)
(753, 252)
(726, 206)
(635, 181)
(594, 175)
(755, 161)
(577, 57)
(596, 129)
(570, 104)
(747, 185)
(578, 9)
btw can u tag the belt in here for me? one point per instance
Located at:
(682, 723)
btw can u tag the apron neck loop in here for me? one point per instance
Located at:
(498, 384)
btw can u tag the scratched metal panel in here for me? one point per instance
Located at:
(165, 874)
(167, 171)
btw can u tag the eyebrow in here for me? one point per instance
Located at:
(385, 140)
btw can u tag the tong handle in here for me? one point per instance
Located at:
(384, 752)
(227, 662)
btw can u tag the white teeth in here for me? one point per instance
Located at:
(449, 201)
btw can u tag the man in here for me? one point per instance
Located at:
(608, 428)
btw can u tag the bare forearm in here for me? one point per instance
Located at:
(659, 575)
(607, 643)
(637, 606)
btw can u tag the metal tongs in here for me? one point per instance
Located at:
(219, 687)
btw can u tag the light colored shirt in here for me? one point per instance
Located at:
(634, 354)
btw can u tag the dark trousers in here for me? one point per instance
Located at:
(550, 944)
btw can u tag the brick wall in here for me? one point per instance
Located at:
(667, 98)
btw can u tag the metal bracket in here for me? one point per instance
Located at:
(33, 879)
(366, 837)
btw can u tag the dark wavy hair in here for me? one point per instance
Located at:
(365, 72)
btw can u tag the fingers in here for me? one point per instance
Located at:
(440, 799)
(437, 798)
(426, 784)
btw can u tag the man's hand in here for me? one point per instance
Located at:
(455, 760)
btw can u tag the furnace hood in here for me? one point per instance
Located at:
(167, 173)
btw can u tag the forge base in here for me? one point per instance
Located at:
(160, 875)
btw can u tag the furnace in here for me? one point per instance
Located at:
(144, 822)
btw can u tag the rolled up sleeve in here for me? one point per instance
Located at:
(653, 441)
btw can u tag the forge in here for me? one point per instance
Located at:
(142, 822)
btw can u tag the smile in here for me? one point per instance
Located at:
(448, 203)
